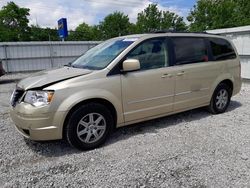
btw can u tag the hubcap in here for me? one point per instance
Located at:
(91, 128)
(221, 99)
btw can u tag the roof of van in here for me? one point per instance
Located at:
(179, 34)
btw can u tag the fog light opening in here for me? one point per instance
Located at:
(26, 131)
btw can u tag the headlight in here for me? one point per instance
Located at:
(38, 98)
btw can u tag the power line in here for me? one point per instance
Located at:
(49, 8)
(108, 2)
(46, 7)
(80, 8)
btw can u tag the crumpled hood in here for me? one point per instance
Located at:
(45, 78)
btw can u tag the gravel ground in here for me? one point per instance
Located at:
(190, 149)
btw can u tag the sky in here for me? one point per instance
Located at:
(45, 13)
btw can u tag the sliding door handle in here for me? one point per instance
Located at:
(166, 75)
(180, 73)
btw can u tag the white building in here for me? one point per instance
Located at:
(241, 39)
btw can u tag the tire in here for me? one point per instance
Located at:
(220, 99)
(89, 126)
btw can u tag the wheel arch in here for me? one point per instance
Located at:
(225, 78)
(102, 101)
(229, 83)
(212, 106)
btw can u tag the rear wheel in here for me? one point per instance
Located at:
(220, 99)
(89, 126)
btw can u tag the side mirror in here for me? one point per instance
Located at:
(131, 65)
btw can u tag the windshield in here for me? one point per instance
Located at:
(101, 55)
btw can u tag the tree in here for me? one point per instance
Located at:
(14, 23)
(115, 24)
(243, 7)
(85, 32)
(82, 32)
(133, 29)
(172, 20)
(43, 34)
(152, 18)
(214, 14)
(149, 19)
(97, 34)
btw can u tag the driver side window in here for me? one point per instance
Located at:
(152, 54)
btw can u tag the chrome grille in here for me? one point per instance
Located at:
(16, 96)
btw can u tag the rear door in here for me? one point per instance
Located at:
(195, 72)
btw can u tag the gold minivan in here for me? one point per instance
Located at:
(126, 80)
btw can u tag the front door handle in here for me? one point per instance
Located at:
(166, 75)
(180, 73)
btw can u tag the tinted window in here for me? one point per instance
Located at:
(151, 54)
(222, 49)
(190, 50)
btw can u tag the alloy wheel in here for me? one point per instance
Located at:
(91, 127)
(222, 99)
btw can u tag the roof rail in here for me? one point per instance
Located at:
(163, 31)
(174, 31)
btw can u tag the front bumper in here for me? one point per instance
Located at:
(38, 125)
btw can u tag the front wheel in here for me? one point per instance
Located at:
(89, 126)
(220, 99)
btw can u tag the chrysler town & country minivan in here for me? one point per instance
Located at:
(126, 80)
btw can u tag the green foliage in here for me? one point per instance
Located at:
(153, 19)
(149, 19)
(85, 32)
(97, 34)
(172, 20)
(14, 23)
(115, 24)
(43, 34)
(214, 14)
(205, 15)
(243, 11)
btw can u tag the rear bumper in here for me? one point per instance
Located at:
(47, 126)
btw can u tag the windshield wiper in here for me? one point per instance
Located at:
(68, 65)
(88, 67)
(82, 66)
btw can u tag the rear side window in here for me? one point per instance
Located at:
(190, 50)
(221, 49)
